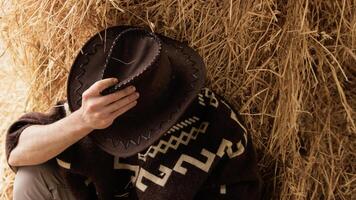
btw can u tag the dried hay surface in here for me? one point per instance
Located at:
(287, 66)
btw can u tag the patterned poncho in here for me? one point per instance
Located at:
(207, 154)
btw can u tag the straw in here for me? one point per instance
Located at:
(287, 66)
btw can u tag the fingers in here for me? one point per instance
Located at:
(97, 87)
(111, 105)
(121, 103)
(122, 110)
(108, 99)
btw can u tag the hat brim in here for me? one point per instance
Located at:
(130, 134)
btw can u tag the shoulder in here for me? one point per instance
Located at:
(54, 113)
(225, 123)
(220, 111)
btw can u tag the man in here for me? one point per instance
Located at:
(172, 138)
(40, 143)
(97, 112)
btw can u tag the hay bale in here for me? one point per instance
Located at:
(287, 66)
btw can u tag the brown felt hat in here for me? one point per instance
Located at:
(167, 73)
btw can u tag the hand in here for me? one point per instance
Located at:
(99, 112)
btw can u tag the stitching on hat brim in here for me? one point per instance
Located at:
(185, 101)
(124, 83)
(197, 69)
(84, 55)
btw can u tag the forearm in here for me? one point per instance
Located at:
(39, 143)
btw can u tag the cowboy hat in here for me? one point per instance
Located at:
(167, 73)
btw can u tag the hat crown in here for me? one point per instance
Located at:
(168, 75)
(132, 52)
(135, 58)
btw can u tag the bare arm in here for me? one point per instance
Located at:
(39, 143)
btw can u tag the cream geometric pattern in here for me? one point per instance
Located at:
(193, 161)
(182, 124)
(165, 172)
(140, 173)
(209, 94)
(161, 181)
(133, 168)
(234, 117)
(222, 189)
(174, 141)
(226, 146)
(201, 99)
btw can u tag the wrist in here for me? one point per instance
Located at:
(79, 122)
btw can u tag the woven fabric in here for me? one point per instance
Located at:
(207, 154)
